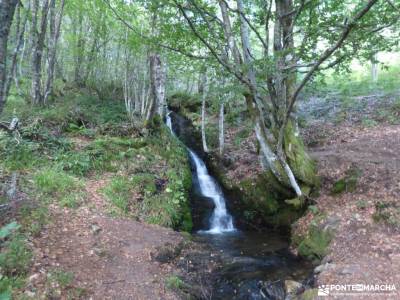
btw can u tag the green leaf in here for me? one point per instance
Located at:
(5, 295)
(6, 230)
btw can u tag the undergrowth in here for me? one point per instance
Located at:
(75, 138)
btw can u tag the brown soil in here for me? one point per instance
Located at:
(110, 258)
(363, 250)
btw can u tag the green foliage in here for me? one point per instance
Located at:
(8, 229)
(15, 256)
(174, 282)
(33, 220)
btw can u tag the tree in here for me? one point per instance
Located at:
(269, 73)
(38, 42)
(7, 9)
(55, 27)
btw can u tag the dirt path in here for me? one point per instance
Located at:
(110, 258)
(366, 247)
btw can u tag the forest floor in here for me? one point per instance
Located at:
(366, 245)
(363, 149)
(109, 258)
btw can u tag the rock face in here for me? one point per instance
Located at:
(293, 287)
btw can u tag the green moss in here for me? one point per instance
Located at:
(348, 183)
(184, 102)
(314, 246)
(304, 168)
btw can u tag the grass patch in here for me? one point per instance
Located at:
(118, 191)
(55, 184)
(174, 282)
(62, 278)
(387, 213)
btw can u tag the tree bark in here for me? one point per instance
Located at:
(203, 112)
(55, 26)
(19, 34)
(374, 69)
(157, 78)
(38, 36)
(221, 137)
(7, 9)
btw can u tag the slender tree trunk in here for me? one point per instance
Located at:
(38, 47)
(221, 137)
(203, 113)
(55, 27)
(374, 69)
(20, 31)
(80, 48)
(7, 9)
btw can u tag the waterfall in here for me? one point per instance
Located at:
(220, 221)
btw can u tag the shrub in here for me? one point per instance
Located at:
(15, 256)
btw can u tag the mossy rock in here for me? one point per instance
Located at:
(315, 245)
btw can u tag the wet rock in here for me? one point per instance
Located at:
(273, 290)
(292, 287)
(324, 267)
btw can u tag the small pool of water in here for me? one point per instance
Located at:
(251, 260)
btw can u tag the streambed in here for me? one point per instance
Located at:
(254, 265)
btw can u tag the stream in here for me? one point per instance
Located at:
(255, 264)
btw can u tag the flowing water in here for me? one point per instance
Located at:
(255, 264)
(221, 221)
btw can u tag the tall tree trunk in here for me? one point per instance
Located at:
(79, 51)
(38, 36)
(203, 111)
(20, 32)
(157, 81)
(55, 26)
(374, 69)
(221, 129)
(7, 9)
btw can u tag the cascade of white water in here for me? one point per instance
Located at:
(220, 221)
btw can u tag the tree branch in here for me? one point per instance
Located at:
(180, 51)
